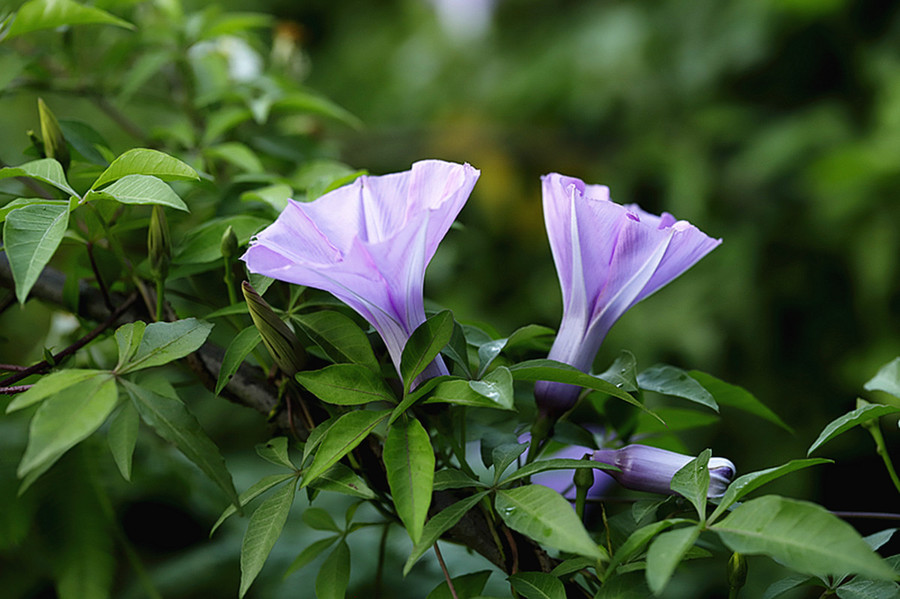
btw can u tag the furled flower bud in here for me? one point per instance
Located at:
(737, 571)
(159, 246)
(651, 469)
(277, 336)
(229, 243)
(55, 145)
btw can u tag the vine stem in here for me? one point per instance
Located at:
(440, 559)
(881, 449)
(14, 389)
(382, 554)
(44, 364)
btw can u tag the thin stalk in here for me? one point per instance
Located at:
(881, 449)
(14, 389)
(44, 364)
(100, 282)
(382, 554)
(160, 299)
(229, 282)
(440, 558)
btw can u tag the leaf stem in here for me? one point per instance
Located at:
(160, 299)
(440, 559)
(382, 553)
(881, 449)
(100, 282)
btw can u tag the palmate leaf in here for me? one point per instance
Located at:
(263, 530)
(31, 235)
(409, 461)
(334, 574)
(164, 411)
(50, 14)
(802, 536)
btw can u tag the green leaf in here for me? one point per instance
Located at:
(21, 202)
(557, 372)
(334, 573)
(346, 385)
(275, 451)
(122, 437)
(340, 479)
(308, 103)
(85, 140)
(128, 339)
(423, 346)
(489, 350)
(748, 483)
(860, 588)
(780, 587)
(692, 482)
(622, 372)
(454, 479)
(736, 397)
(339, 337)
(665, 554)
(255, 490)
(537, 585)
(635, 542)
(172, 421)
(141, 190)
(554, 464)
(264, 528)
(342, 437)
(274, 196)
(503, 455)
(51, 384)
(669, 380)
(411, 398)
(887, 379)
(66, 419)
(50, 14)
(236, 154)
(310, 553)
(409, 461)
(140, 161)
(319, 519)
(240, 347)
(439, 524)
(802, 536)
(204, 244)
(467, 586)
(544, 515)
(862, 414)
(164, 342)
(31, 235)
(46, 170)
(493, 391)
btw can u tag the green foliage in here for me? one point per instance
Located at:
(409, 462)
(262, 532)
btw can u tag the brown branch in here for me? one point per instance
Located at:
(45, 365)
(14, 389)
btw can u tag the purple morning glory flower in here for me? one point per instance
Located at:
(608, 257)
(645, 468)
(368, 244)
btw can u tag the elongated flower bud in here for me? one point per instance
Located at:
(229, 243)
(281, 342)
(737, 571)
(159, 245)
(651, 469)
(55, 145)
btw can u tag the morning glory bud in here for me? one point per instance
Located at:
(737, 571)
(159, 246)
(55, 145)
(229, 244)
(278, 338)
(651, 469)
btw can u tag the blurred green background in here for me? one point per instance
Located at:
(773, 124)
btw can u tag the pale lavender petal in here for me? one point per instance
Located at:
(608, 258)
(368, 243)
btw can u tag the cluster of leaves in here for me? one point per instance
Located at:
(348, 424)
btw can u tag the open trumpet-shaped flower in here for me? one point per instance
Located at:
(368, 244)
(608, 257)
(645, 468)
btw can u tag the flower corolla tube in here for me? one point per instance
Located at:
(645, 468)
(368, 244)
(608, 258)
